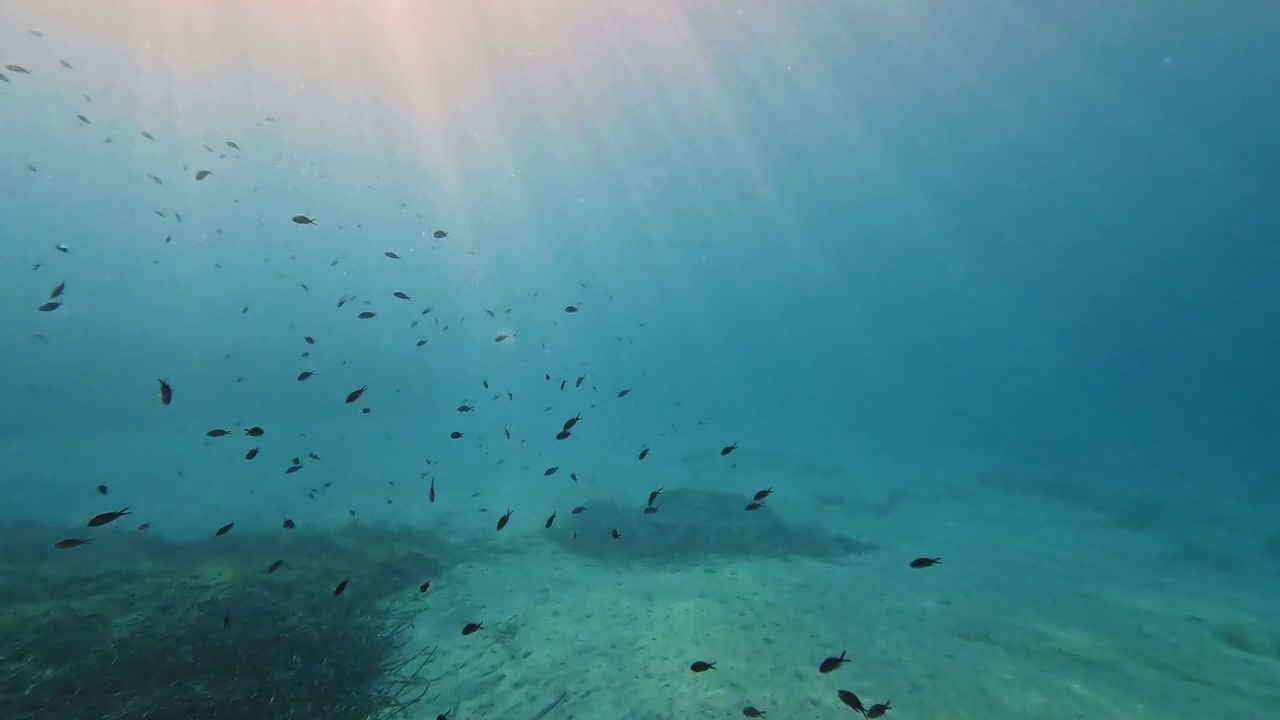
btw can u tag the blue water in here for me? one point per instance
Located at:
(991, 281)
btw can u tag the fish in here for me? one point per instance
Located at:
(310, 340)
(568, 424)
(303, 220)
(306, 374)
(728, 449)
(218, 432)
(148, 135)
(550, 471)
(232, 145)
(455, 435)
(293, 469)
(103, 518)
(421, 343)
(57, 290)
(253, 453)
(424, 586)
(254, 431)
(471, 627)
(924, 562)
(289, 524)
(102, 489)
(878, 710)
(391, 255)
(340, 588)
(644, 453)
(624, 392)
(571, 309)
(400, 296)
(563, 434)
(166, 392)
(753, 506)
(848, 698)
(702, 666)
(654, 495)
(577, 511)
(274, 566)
(224, 529)
(367, 314)
(650, 510)
(431, 494)
(439, 234)
(762, 494)
(70, 543)
(502, 521)
(500, 338)
(18, 69)
(751, 712)
(832, 663)
(615, 534)
(550, 520)
(202, 174)
(465, 408)
(354, 395)
(50, 306)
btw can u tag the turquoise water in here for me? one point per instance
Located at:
(991, 282)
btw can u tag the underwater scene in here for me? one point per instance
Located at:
(639, 360)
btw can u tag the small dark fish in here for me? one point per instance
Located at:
(571, 309)
(310, 340)
(203, 174)
(391, 255)
(166, 392)
(148, 135)
(424, 586)
(274, 566)
(573, 476)
(562, 384)
(568, 424)
(354, 395)
(18, 69)
(431, 495)
(224, 529)
(66, 64)
(439, 234)
(507, 433)
(232, 145)
(751, 712)
(304, 220)
(253, 453)
(650, 510)
(218, 432)
(550, 471)
(399, 295)
(62, 248)
(144, 526)
(102, 489)
(643, 454)
(421, 343)
(551, 519)
(471, 627)
(465, 408)
(577, 511)
(289, 524)
(255, 431)
(313, 456)
(444, 715)
(292, 469)
(427, 310)
(500, 338)
(728, 449)
(502, 521)
(455, 435)
(851, 700)
(832, 663)
(57, 290)
(50, 306)
(578, 383)
(654, 495)
(624, 393)
(878, 710)
(103, 518)
(924, 562)
(701, 666)
(306, 375)
(341, 586)
(615, 534)
(83, 119)
(70, 543)
(762, 494)
(4, 78)
(367, 314)
(563, 434)
(752, 506)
